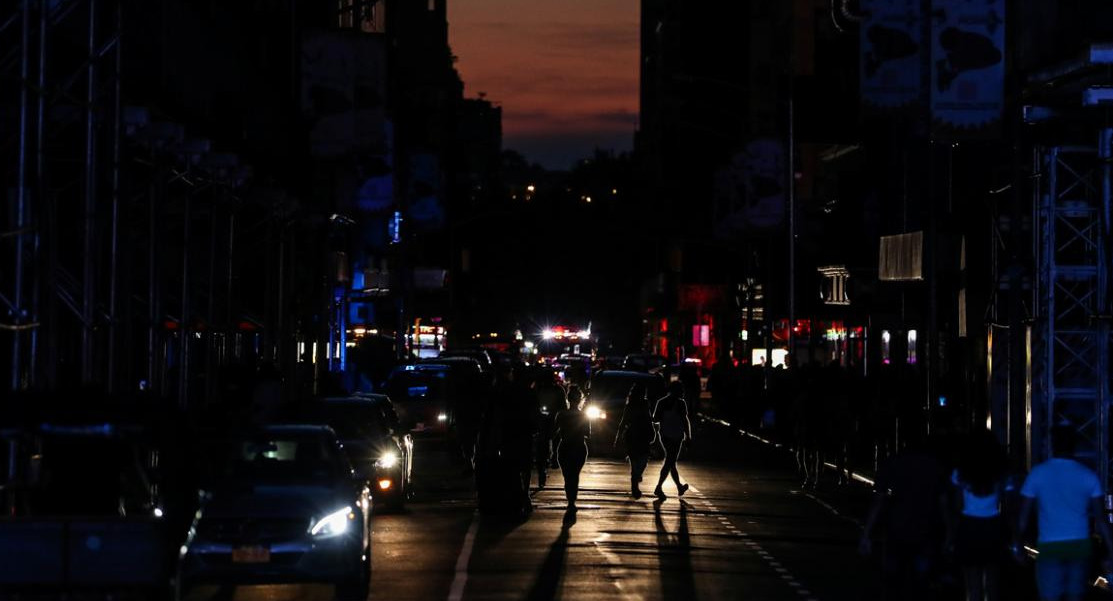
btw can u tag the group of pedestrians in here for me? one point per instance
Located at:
(532, 426)
(638, 429)
(927, 513)
(827, 413)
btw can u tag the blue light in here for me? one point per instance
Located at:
(395, 228)
(942, 401)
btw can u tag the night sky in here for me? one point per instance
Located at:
(565, 73)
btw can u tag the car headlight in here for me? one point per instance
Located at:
(442, 417)
(594, 412)
(387, 460)
(333, 524)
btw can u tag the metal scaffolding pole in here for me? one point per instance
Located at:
(88, 271)
(183, 326)
(114, 271)
(40, 195)
(16, 309)
(1073, 359)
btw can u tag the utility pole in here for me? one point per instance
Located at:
(791, 186)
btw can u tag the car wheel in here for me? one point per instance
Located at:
(358, 586)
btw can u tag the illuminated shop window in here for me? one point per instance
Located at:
(911, 347)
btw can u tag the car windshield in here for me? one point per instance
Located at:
(351, 420)
(480, 357)
(275, 459)
(414, 386)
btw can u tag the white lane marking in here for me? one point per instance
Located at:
(456, 593)
(765, 555)
(834, 511)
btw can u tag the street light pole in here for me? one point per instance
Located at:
(791, 169)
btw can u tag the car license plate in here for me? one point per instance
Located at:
(251, 555)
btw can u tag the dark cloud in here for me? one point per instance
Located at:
(570, 35)
(530, 78)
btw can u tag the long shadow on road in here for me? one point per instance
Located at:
(552, 570)
(677, 579)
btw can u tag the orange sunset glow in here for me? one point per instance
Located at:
(564, 73)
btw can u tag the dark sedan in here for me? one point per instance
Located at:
(280, 504)
(373, 441)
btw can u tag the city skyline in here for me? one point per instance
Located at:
(566, 76)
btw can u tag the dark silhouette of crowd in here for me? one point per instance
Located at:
(827, 413)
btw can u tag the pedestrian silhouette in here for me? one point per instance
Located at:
(976, 531)
(573, 429)
(636, 430)
(1067, 497)
(671, 416)
(908, 508)
(551, 401)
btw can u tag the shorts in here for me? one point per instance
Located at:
(1064, 569)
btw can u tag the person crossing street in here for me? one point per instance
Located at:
(671, 416)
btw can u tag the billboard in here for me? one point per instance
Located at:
(901, 258)
(750, 192)
(343, 93)
(891, 59)
(967, 68)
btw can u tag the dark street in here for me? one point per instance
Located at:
(744, 529)
(294, 295)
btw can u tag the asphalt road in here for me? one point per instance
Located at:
(743, 530)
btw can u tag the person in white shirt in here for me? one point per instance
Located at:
(1067, 497)
(976, 533)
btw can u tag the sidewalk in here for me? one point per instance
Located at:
(851, 502)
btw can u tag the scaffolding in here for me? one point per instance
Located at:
(118, 222)
(1069, 341)
(63, 156)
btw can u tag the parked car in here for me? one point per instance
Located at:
(279, 504)
(644, 363)
(481, 355)
(86, 514)
(420, 393)
(375, 444)
(606, 397)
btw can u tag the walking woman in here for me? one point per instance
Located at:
(671, 415)
(977, 533)
(573, 429)
(636, 430)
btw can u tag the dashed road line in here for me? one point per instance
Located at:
(456, 593)
(835, 512)
(770, 560)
